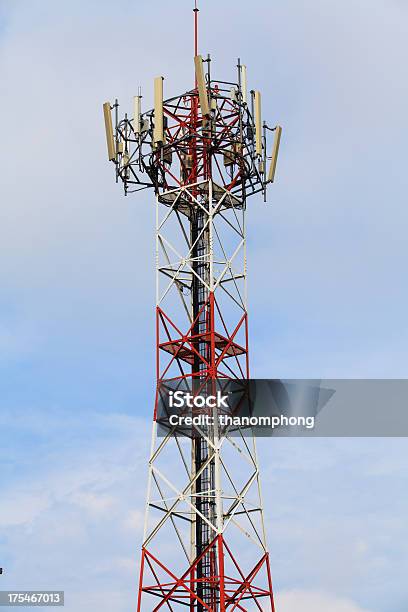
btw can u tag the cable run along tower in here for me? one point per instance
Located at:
(204, 153)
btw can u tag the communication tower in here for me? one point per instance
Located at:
(204, 153)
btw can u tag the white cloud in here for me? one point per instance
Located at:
(20, 507)
(72, 522)
(84, 475)
(309, 601)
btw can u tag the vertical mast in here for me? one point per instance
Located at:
(204, 488)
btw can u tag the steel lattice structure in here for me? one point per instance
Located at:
(204, 153)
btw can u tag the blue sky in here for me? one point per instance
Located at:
(77, 287)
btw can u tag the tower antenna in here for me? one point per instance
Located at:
(196, 10)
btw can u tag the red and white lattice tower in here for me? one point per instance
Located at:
(204, 153)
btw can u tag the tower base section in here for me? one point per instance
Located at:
(226, 588)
